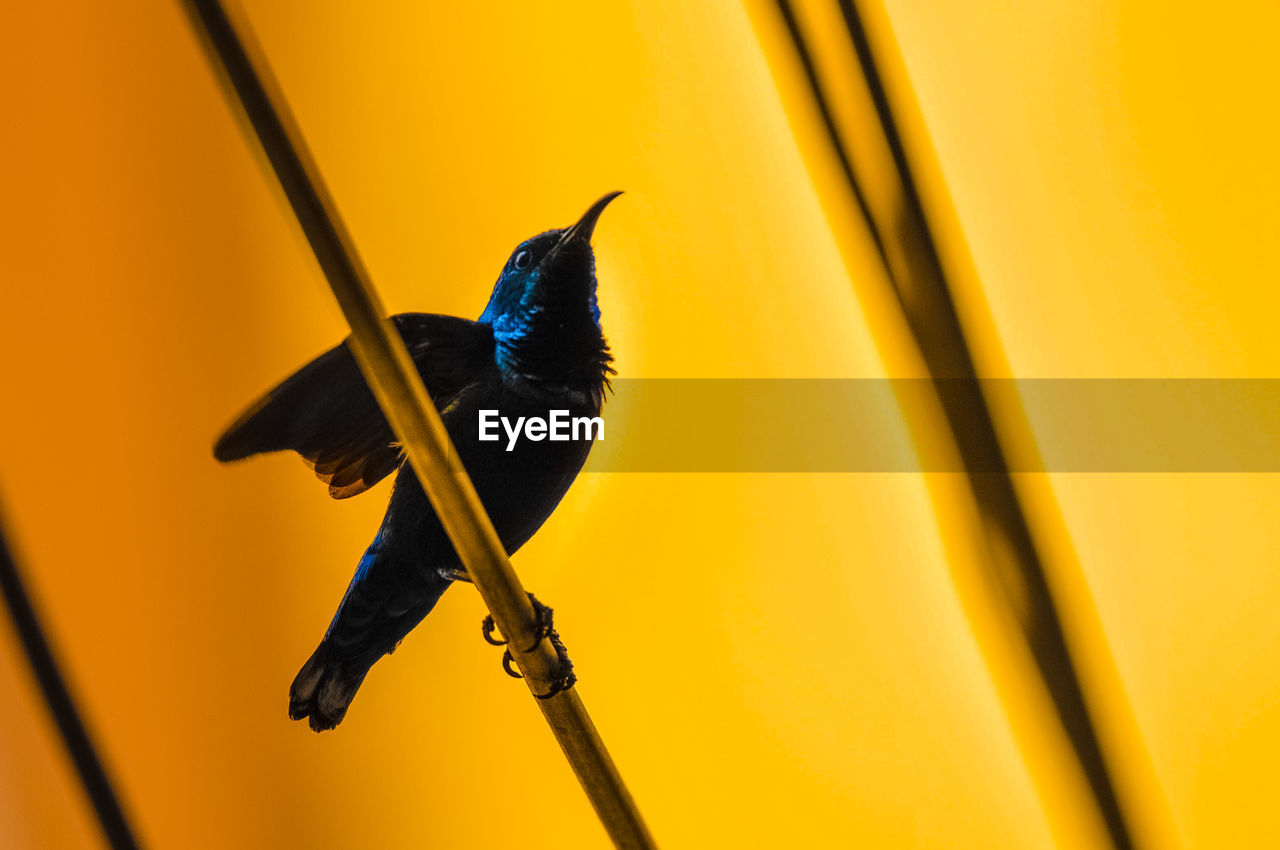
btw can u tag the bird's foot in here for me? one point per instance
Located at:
(542, 613)
(455, 574)
(564, 678)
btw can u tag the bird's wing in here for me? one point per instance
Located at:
(327, 414)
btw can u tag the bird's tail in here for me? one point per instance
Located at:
(324, 688)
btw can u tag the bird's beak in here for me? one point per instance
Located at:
(587, 224)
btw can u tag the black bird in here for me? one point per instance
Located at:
(536, 348)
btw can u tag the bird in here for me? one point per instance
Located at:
(538, 347)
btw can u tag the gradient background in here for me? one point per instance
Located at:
(774, 660)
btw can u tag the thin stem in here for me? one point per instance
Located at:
(909, 252)
(398, 387)
(93, 776)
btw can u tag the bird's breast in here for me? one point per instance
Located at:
(522, 450)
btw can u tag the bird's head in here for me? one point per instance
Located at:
(543, 309)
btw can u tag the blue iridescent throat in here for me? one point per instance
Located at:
(521, 320)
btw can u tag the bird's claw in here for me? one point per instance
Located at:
(487, 628)
(508, 664)
(545, 618)
(565, 677)
(542, 613)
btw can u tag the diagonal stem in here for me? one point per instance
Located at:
(906, 246)
(93, 775)
(399, 390)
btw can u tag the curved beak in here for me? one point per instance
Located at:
(586, 225)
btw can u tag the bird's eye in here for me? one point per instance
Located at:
(523, 259)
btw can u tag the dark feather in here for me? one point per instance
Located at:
(326, 413)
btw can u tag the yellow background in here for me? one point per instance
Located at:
(774, 660)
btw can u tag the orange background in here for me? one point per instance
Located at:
(774, 660)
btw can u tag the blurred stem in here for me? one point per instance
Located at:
(905, 244)
(93, 776)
